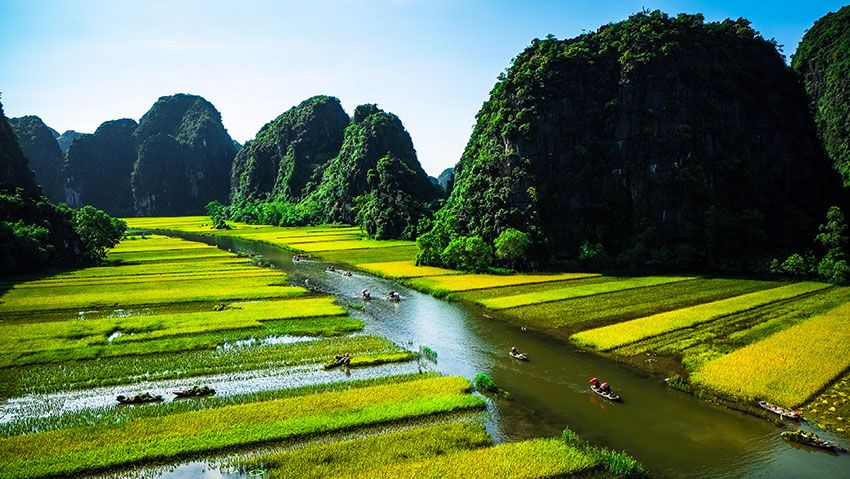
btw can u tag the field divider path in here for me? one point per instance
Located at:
(617, 335)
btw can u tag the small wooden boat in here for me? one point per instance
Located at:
(194, 391)
(139, 398)
(811, 439)
(518, 355)
(394, 297)
(781, 411)
(602, 389)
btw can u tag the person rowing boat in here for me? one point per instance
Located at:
(603, 389)
(518, 355)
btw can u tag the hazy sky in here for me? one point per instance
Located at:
(432, 62)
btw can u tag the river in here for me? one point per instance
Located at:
(672, 433)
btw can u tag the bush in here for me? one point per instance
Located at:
(467, 254)
(512, 247)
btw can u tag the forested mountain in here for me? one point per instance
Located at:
(36, 234)
(657, 140)
(65, 139)
(373, 134)
(289, 152)
(41, 149)
(14, 168)
(184, 157)
(98, 166)
(823, 60)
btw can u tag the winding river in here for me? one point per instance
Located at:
(673, 434)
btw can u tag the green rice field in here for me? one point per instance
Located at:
(707, 325)
(163, 308)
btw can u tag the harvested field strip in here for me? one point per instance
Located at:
(616, 335)
(35, 299)
(788, 367)
(345, 458)
(111, 416)
(831, 408)
(365, 350)
(514, 301)
(466, 282)
(538, 458)
(403, 269)
(76, 450)
(111, 333)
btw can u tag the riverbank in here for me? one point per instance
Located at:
(166, 314)
(708, 323)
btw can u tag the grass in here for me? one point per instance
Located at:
(403, 269)
(55, 341)
(561, 318)
(22, 298)
(110, 416)
(357, 257)
(538, 458)
(78, 450)
(788, 367)
(45, 378)
(569, 292)
(344, 458)
(616, 335)
(711, 340)
(441, 285)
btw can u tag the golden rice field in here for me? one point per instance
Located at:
(788, 367)
(698, 320)
(616, 335)
(162, 308)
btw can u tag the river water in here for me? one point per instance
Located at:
(672, 433)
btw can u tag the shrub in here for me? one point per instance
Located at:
(468, 254)
(512, 247)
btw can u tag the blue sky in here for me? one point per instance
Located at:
(431, 62)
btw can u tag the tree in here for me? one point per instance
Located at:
(512, 246)
(97, 230)
(468, 254)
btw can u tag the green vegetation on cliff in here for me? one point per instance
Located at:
(661, 142)
(184, 157)
(98, 166)
(289, 152)
(823, 59)
(35, 234)
(42, 151)
(372, 134)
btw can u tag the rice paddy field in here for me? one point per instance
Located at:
(740, 339)
(165, 309)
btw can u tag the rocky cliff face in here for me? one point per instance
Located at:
(667, 140)
(98, 165)
(65, 139)
(14, 168)
(445, 179)
(823, 60)
(372, 134)
(184, 157)
(45, 159)
(289, 152)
